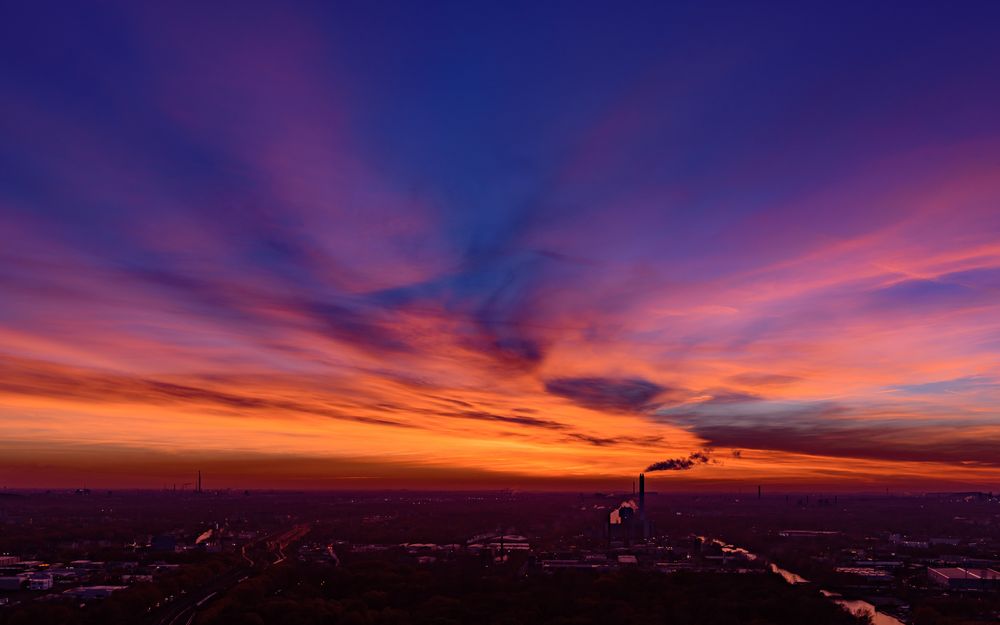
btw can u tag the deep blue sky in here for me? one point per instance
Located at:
(764, 226)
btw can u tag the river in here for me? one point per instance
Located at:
(853, 605)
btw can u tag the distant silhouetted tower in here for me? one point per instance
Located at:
(642, 496)
(199, 481)
(643, 521)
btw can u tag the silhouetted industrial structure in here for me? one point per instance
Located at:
(628, 521)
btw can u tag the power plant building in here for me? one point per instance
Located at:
(628, 521)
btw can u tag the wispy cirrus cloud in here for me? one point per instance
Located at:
(954, 386)
(412, 246)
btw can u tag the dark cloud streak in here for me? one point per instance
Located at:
(612, 394)
(32, 378)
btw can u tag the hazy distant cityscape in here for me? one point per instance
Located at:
(222, 556)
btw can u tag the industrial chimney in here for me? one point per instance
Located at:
(642, 496)
(643, 523)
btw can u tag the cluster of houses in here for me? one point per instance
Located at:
(79, 579)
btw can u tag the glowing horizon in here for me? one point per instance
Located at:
(310, 246)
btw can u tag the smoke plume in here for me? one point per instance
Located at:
(680, 464)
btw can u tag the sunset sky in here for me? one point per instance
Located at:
(525, 245)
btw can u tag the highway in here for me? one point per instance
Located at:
(278, 545)
(184, 610)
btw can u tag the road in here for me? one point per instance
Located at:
(278, 544)
(183, 610)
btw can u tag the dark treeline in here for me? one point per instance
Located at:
(384, 593)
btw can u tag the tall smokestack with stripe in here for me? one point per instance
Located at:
(642, 497)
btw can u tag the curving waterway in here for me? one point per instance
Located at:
(853, 605)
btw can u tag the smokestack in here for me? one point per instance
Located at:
(199, 481)
(643, 526)
(758, 491)
(642, 496)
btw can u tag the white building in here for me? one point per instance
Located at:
(92, 592)
(39, 581)
(960, 578)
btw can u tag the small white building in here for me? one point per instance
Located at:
(961, 578)
(39, 581)
(136, 578)
(92, 592)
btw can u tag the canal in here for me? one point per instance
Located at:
(853, 605)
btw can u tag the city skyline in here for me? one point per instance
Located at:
(536, 247)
